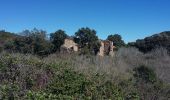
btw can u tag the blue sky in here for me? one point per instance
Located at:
(133, 19)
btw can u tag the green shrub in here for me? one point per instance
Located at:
(31, 95)
(1, 49)
(145, 73)
(133, 96)
(9, 91)
(67, 82)
(29, 82)
(148, 85)
(26, 77)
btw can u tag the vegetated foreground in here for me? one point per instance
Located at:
(129, 75)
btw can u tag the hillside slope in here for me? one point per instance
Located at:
(155, 41)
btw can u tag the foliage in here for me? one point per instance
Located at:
(76, 85)
(156, 41)
(60, 76)
(117, 40)
(88, 40)
(33, 41)
(22, 73)
(31, 95)
(145, 73)
(126, 76)
(1, 49)
(57, 39)
(9, 92)
(5, 37)
(149, 85)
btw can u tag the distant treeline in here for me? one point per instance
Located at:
(37, 42)
(155, 41)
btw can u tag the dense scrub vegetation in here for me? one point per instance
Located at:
(31, 67)
(5, 37)
(129, 75)
(154, 41)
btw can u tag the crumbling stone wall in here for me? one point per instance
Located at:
(101, 50)
(69, 46)
(107, 48)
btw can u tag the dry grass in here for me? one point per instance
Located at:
(121, 65)
(21, 70)
(160, 61)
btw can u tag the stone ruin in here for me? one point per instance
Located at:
(106, 48)
(69, 46)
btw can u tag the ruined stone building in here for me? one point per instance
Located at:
(69, 46)
(106, 48)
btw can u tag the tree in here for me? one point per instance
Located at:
(117, 40)
(87, 39)
(33, 41)
(161, 40)
(57, 39)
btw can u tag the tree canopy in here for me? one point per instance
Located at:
(87, 39)
(117, 40)
(155, 41)
(57, 39)
(33, 41)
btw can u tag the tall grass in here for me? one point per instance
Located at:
(84, 76)
(122, 64)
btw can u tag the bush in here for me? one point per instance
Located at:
(34, 43)
(68, 82)
(155, 41)
(9, 92)
(145, 73)
(148, 84)
(61, 76)
(24, 72)
(1, 49)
